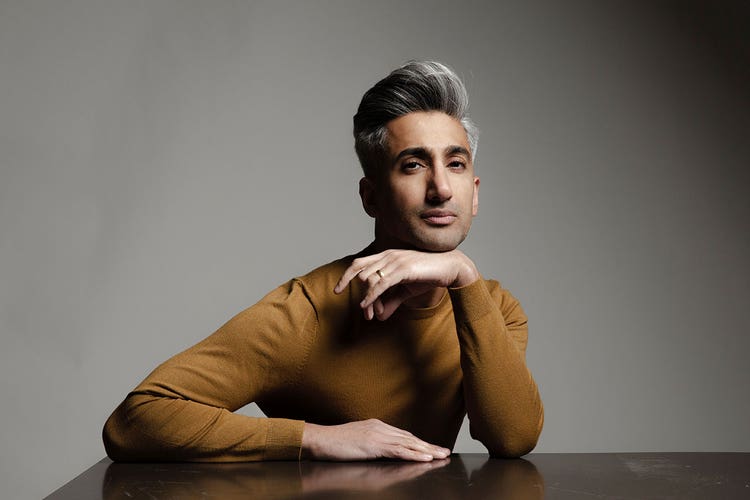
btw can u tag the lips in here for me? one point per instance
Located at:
(436, 217)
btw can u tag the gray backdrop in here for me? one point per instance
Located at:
(163, 164)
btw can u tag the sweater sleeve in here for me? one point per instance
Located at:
(502, 401)
(183, 411)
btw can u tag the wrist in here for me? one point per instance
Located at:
(467, 272)
(310, 436)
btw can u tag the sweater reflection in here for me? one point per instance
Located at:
(455, 478)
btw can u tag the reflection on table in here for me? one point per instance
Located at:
(456, 477)
(549, 476)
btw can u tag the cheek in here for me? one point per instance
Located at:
(466, 194)
(404, 197)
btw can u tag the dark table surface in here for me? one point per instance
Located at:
(539, 475)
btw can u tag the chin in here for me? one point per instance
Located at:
(438, 245)
(425, 239)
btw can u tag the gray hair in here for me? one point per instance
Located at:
(415, 86)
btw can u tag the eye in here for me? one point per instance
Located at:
(411, 166)
(457, 165)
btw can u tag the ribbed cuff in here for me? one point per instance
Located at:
(471, 302)
(284, 439)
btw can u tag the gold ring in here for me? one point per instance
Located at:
(380, 273)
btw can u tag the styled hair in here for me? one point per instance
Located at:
(415, 86)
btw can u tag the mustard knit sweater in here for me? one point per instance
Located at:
(305, 354)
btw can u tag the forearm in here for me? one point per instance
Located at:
(502, 401)
(184, 409)
(147, 427)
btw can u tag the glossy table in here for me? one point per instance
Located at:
(539, 475)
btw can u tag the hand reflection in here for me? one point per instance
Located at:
(362, 476)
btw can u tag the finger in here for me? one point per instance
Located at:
(405, 453)
(433, 449)
(369, 312)
(354, 269)
(374, 285)
(350, 273)
(404, 438)
(420, 451)
(370, 270)
(378, 308)
(377, 284)
(408, 440)
(425, 447)
(358, 268)
(391, 301)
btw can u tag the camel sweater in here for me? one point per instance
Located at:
(304, 353)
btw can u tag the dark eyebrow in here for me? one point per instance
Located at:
(419, 152)
(423, 154)
(457, 150)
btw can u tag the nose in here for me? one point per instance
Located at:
(439, 187)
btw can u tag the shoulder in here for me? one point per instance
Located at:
(310, 286)
(318, 284)
(308, 293)
(331, 311)
(325, 276)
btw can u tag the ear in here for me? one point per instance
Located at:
(367, 193)
(475, 198)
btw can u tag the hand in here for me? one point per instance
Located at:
(366, 440)
(404, 274)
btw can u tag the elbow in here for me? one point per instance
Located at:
(511, 448)
(115, 436)
(516, 441)
(514, 445)
(122, 435)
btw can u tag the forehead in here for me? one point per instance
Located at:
(432, 130)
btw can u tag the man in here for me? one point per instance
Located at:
(376, 355)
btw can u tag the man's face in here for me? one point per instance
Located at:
(427, 193)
